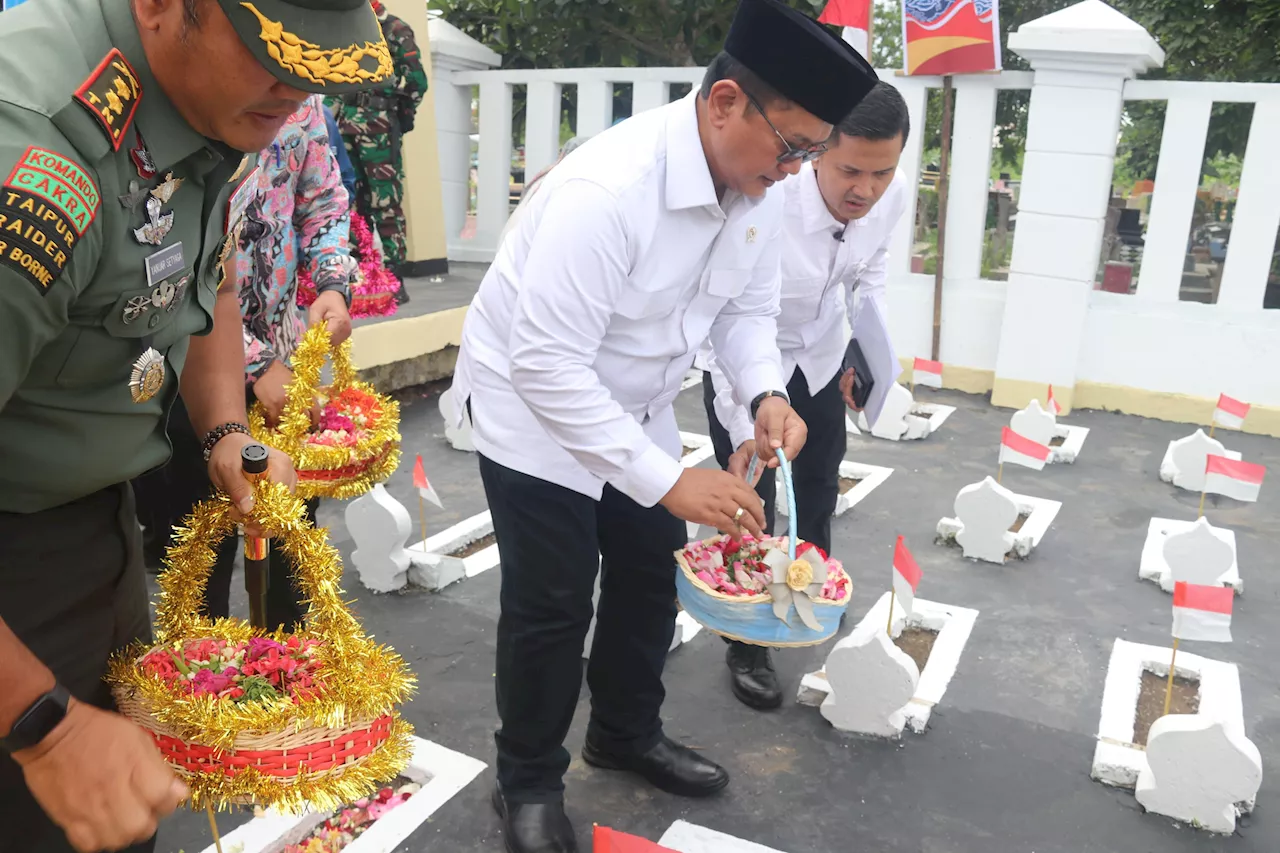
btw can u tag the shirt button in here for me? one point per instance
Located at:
(154, 321)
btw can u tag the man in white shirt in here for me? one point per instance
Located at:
(839, 214)
(654, 235)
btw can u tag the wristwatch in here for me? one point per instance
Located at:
(37, 721)
(755, 404)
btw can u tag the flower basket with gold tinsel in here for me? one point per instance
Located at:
(776, 591)
(356, 443)
(249, 716)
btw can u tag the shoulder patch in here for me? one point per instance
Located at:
(111, 95)
(46, 205)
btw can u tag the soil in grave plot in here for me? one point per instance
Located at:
(476, 546)
(1017, 524)
(847, 484)
(1186, 700)
(1057, 441)
(686, 450)
(917, 643)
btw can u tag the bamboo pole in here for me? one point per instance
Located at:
(943, 159)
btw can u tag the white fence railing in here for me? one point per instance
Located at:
(1148, 341)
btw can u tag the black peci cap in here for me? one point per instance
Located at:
(800, 58)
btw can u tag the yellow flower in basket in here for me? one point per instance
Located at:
(357, 441)
(275, 719)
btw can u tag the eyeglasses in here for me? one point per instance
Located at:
(790, 152)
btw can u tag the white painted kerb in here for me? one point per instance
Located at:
(953, 624)
(1116, 759)
(869, 478)
(433, 566)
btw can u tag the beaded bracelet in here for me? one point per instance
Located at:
(218, 433)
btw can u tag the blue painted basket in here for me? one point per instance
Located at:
(750, 618)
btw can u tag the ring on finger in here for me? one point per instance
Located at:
(737, 516)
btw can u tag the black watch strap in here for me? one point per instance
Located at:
(755, 404)
(38, 720)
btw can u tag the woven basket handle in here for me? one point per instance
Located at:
(308, 359)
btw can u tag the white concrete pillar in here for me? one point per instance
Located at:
(1081, 56)
(453, 50)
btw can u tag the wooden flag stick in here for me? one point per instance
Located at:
(1168, 690)
(422, 517)
(1000, 472)
(893, 594)
(213, 825)
(1212, 426)
(943, 157)
(1200, 514)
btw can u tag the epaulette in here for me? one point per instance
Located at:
(111, 94)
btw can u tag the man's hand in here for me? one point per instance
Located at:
(227, 473)
(778, 425)
(846, 389)
(331, 308)
(713, 498)
(271, 389)
(740, 462)
(100, 778)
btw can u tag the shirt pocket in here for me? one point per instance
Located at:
(801, 299)
(728, 284)
(104, 352)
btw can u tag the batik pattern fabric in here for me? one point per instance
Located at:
(299, 220)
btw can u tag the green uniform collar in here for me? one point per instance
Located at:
(168, 137)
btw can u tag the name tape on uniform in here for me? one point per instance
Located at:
(111, 95)
(164, 263)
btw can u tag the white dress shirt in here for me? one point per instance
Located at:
(824, 279)
(623, 263)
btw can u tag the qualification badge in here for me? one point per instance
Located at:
(147, 377)
(157, 225)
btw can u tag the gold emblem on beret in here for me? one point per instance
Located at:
(312, 63)
(147, 377)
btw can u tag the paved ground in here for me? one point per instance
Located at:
(1004, 766)
(438, 293)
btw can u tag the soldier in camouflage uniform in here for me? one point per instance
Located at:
(372, 124)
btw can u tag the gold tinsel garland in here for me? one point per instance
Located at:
(363, 680)
(377, 455)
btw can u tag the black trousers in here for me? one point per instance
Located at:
(73, 590)
(552, 540)
(815, 472)
(167, 495)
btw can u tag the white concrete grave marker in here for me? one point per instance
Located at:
(1192, 551)
(700, 450)
(379, 525)
(435, 565)
(459, 438)
(1034, 423)
(1184, 461)
(984, 513)
(902, 419)
(1198, 770)
(872, 680)
(866, 674)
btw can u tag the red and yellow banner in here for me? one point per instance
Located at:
(950, 36)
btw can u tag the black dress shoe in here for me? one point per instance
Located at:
(534, 827)
(754, 681)
(667, 766)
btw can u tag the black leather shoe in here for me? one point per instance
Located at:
(754, 681)
(668, 766)
(534, 827)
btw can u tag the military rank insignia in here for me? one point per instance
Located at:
(111, 94)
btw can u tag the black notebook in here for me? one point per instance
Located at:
(862, 381)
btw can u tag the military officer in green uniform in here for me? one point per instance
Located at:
(122, 130)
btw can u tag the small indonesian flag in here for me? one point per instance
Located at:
(855, 17)
(606, 840)
(424, 487)
(927, 373)
(906, 575)
(1052, 405)
(1202, 612)
(1239, 480)
(1230, 413)
(1021, 450)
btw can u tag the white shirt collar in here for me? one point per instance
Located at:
(689, 182)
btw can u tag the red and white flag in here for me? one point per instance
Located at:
(1230, 413)
(606, 840)
(1235, 479)
(423, 486)
(1202, 612)
(927, 372)
(1021, 450)
(1052, 404)
(906, 575)
(855, 17)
